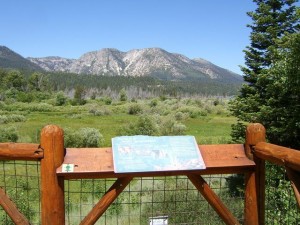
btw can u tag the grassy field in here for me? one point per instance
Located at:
(208, 122)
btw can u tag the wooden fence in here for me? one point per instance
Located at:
(248, 159)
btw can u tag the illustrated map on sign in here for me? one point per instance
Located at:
(163, 153)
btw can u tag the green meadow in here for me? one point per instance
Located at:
(205, 118)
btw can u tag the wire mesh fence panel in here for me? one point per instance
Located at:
(146, 199)
(281, 205)
(20, 180)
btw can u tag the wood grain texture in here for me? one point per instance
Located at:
(251, 209)
(279, 155)
(52, 187)
(98, 162)
(20, 151)
(255, 132)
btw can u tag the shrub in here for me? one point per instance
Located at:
(84, 137)
(11, 118)
(8, 134)
(181, 116)
(192, 111)
(123, 95)
(32, 107)
(145, 125)
(100, 112)
(153, 102)
(178, 129)
(169, 126)
(135, 109)
(61, 99)
(107, 100)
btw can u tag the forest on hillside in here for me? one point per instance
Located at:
(25, 83)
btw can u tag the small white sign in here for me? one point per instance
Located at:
(159, 220)
(68, 168)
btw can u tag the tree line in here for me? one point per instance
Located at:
(28, 86)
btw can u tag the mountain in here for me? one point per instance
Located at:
(154, 62)
(12, 60)
(52, 63)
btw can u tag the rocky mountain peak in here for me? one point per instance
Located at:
(155, 62)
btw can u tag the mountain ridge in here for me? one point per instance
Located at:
(154, 62)
(13, 60)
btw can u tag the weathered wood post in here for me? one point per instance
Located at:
(255, 182)
(52, 187)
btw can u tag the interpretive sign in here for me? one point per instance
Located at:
(163, 153)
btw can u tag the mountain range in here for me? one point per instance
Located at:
(154, 62)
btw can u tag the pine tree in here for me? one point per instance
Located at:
(271, 21)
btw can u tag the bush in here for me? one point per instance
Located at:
(179, 116)
(32, 107)
(61, 99)
(154, 102)
(84, 137)
(100, 111)
(107, 100)
(192, 111)
(169, 126)
(11, 118)
(145, 125)
(8, 134)
(135, 109)
(178, 129)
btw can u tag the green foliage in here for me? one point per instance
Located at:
(272, 95)
(123, 95)
(154, 102)
(11, 118)
(79, 96)
(61, 99)
(84, 137)
(38, 82)
(146, 125)
(33, 107)
(107, 100)
(8, 134)
(270, 60)
(281, 205)
(14, 79)
(135, 109)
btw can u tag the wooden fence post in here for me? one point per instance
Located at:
(52, 187)
(256, 133)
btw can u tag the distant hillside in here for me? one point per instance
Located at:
(149, 62)
(154, 62)
(11, 60)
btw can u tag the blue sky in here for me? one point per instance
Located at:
(211, 29)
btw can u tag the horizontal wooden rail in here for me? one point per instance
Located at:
(279, 155)
(98, 162)
(287, 157)
(20, 151)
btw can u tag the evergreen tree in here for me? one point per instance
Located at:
(38, 82)
(79, 96)
(272, 20)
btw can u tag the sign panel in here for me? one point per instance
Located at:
(163, 153)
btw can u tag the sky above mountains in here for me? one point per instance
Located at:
(214, 30)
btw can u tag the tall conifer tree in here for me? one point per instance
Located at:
(271, 21)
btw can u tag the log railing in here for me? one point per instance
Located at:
(248, 159)
(289, 158)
